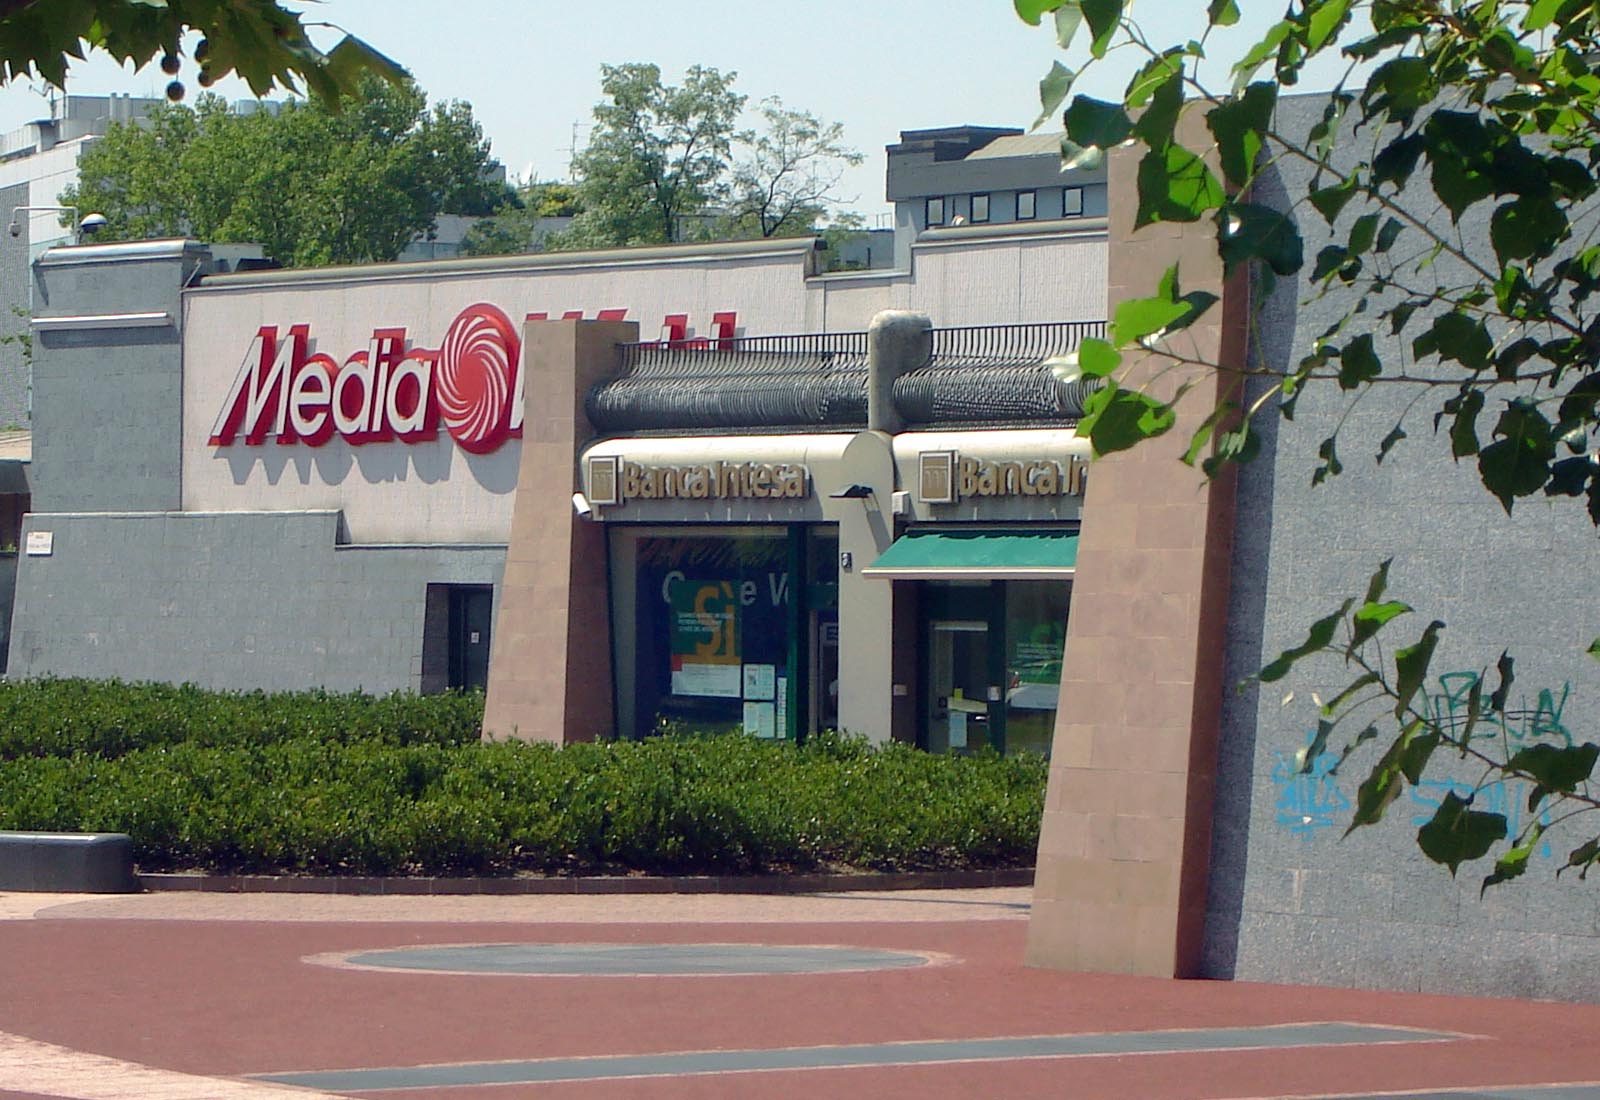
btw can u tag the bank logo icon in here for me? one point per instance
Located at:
(603, 480)
(476, 378)
(936, 483)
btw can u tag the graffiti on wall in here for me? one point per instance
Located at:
(1310, 802)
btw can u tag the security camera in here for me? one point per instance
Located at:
(16, 229)
(92, 223)
(581, 505)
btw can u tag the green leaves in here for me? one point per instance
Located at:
(1500, 116)
(1116, 419)
(1373, 616)
(1529, 226)
(1141, 320)
(1097, 359)
(262, 41)
(1222, 13)
(1358, 363)
(1514, 861)
(1094, 122)
(1458, 833)
(1319, 638)
(1329, 201)
(1031, 11)
(1103, 17)
(1555, 769)
(1458, 336)
(1517, 464)
(1175, 186)
(1411, 667)
(1404, 759)
(1247, 231)
(1053, 89)
(1323, 21)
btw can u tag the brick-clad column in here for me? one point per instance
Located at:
(1127, 825)
(550, 665)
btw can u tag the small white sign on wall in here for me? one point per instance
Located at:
(41, 543)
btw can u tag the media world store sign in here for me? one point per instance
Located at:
(471, 384)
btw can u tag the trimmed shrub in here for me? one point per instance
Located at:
(351, 784)
(109, 717)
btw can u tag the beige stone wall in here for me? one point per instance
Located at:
(1126, 835)
(550, 670)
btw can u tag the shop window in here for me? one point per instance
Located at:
(935, 212)
(822, 606)
(1036, 633)
(712, 634)
(1027, 205)
(1072, 202)
(980, 208)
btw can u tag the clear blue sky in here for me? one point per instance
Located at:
(530, 68)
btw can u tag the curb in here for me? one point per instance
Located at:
(617, 884)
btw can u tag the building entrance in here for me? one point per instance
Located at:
(990, 655)
(959, 686)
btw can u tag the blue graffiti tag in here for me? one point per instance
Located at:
(1308, 801)
(1312, 801)
(1450, 708)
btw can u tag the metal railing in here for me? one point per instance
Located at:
(976, 375)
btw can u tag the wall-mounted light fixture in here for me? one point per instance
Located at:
(88, 227)
(852, 492)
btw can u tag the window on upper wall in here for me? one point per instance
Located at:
(980, 208)
(1027, 205)
(935, 211)
(1072, 202)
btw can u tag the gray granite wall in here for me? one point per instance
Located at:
(1290, 901)
(230, 600)
(108, 396)
(13, 312)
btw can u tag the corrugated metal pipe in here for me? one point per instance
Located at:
(897, 341)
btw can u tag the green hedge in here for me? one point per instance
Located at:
(352, 784)
(60, 717)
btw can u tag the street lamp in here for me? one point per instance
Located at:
(91, 223)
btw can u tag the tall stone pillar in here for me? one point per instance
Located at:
(1123, 852)
(866, 604)
(550, 666)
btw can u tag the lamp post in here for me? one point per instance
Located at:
(90, 224)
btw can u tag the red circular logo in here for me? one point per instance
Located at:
(474, 377)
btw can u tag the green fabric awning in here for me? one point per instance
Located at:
(977, 555)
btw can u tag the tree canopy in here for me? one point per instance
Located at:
(262, 41)
(1493, 107)
(785, 182)
(531, 215)
(656, 155)
(311, 183)
(667, 163)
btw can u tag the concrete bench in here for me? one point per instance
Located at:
(77, 863)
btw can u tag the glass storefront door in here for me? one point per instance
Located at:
(991, 664)
(958, 686)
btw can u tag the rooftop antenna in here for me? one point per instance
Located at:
(572, 151)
